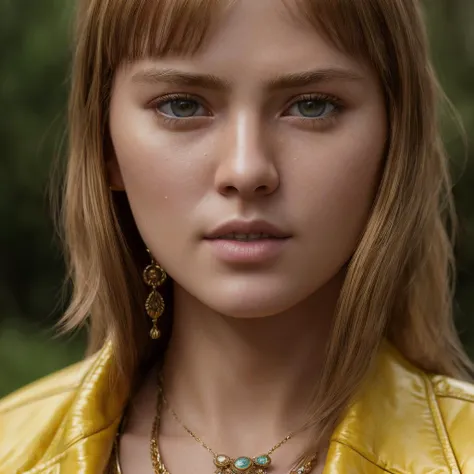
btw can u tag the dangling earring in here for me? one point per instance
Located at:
(154, 276)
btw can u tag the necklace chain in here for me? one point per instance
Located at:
(206, 446)
(159, 467)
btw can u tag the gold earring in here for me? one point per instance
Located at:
(154, 276)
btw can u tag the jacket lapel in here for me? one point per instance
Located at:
(85, 439)
(392, 426)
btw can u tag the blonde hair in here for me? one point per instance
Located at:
(399, 282)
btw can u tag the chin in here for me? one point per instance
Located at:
(255, 301)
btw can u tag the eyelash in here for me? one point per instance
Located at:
(314, 121)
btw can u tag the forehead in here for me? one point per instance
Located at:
(263, 33)
(251, 40)
(144, 29)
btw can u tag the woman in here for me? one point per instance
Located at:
(256, 214)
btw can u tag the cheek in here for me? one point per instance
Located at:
(351, 182)
(148, 165)
(164, 176)
(339, 180)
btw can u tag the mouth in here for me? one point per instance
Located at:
(247, 231)
(247, 242)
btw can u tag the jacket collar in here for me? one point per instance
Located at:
(85, 437)
(391, 426)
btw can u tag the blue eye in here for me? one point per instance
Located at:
(308, 107)
(180, 107)
(312, 108)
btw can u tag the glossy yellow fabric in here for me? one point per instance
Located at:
(402, 422)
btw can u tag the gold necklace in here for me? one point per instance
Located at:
(224, 464)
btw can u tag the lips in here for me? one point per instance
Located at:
(247, 230)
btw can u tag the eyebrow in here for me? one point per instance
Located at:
(210, 81)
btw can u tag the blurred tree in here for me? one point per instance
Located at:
(453, 54)
(34, 61)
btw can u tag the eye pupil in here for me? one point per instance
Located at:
(183, 108)
(313, 108)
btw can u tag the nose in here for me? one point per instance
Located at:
(246, 166)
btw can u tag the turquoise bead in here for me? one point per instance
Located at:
(262, 460)
(243, 463)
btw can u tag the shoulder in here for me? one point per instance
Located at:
(57, 384)
(454, 402)
(33, 414)
(52, 387)
(450, 405)
(426, 420)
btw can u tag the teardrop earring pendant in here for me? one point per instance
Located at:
(154, 276)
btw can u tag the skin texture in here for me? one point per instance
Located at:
(248, 338)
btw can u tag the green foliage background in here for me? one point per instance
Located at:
(35, 59)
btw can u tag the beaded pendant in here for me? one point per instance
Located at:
(242, 465)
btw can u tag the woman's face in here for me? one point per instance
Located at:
(268, 131)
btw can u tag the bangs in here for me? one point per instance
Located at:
(129, 30)
(138, 29)
(364, 29)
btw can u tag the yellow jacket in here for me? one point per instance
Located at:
(405, 423)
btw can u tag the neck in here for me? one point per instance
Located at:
(223, 372)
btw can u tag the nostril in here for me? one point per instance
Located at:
(230, 190)
(264, 189)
